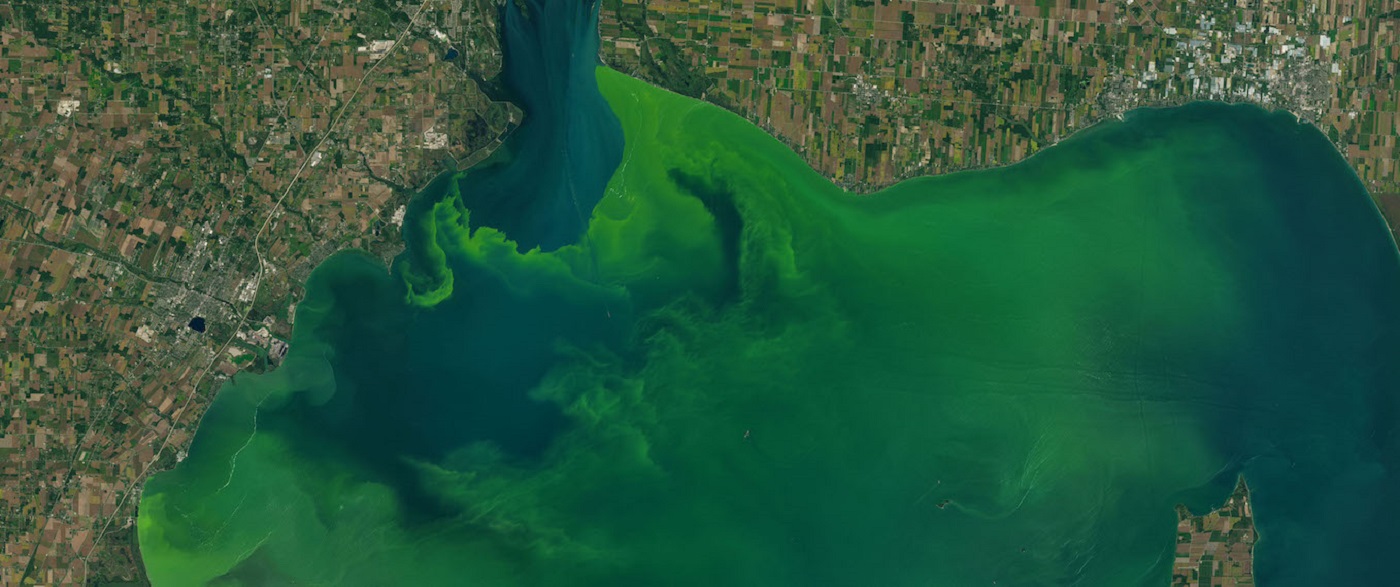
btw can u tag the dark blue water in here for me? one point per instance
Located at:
(416, 383)
(540, 189)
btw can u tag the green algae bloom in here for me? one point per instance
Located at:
(741, 375)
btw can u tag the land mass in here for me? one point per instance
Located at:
(1216, 548)
(871, 92)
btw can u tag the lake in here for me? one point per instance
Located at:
(647, 344)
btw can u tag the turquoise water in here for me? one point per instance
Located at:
(741, 375)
